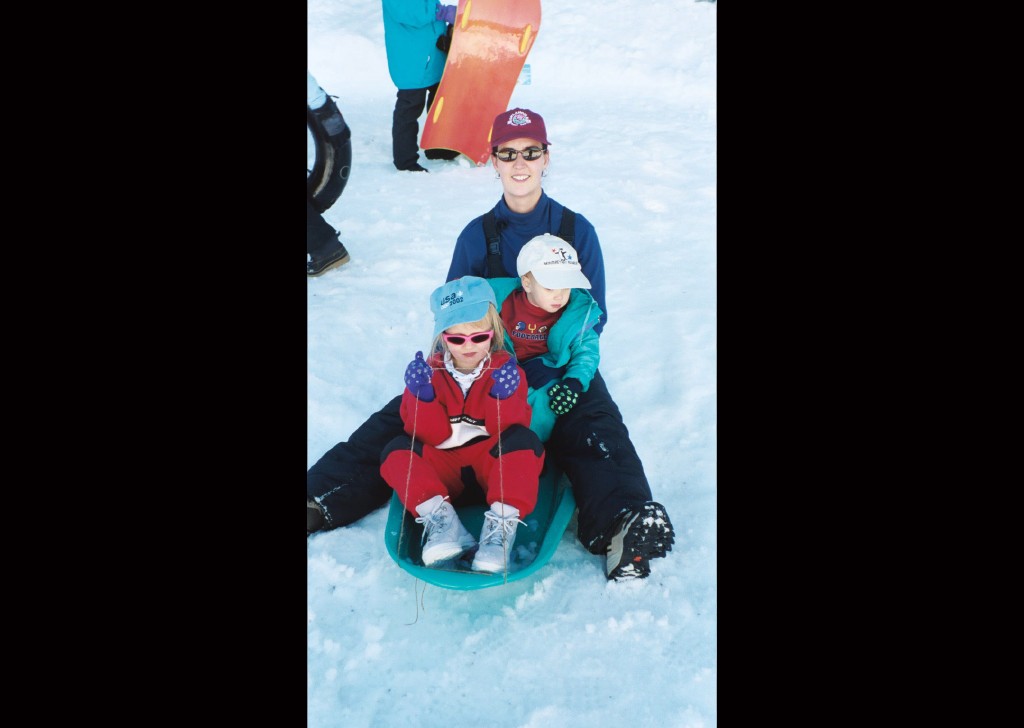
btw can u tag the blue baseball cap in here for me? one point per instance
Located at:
(461, 301)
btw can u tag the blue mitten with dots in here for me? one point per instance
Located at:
(506, 380)
(417, 379)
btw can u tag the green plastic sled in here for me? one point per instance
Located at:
(534, 546)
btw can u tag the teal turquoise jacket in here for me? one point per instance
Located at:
(410, 40)
(572, 343)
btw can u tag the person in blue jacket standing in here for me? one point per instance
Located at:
(415, 62)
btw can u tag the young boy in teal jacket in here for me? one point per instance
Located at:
(549, 322)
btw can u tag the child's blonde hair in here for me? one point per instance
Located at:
(491, 321)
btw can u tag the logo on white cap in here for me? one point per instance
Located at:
(553, 262)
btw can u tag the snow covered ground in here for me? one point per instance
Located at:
(628, 92)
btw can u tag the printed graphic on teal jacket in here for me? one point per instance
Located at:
(410, 39)
(572, 343)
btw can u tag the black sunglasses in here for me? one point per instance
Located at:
(530, 154)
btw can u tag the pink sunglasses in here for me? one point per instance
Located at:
(460, 339)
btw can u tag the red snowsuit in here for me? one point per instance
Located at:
(417, 470)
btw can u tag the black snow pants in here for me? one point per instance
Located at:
(405, 125)
(321, 238)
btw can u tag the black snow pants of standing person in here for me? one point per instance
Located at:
(590, 444)
(405, 125)
(321, 238)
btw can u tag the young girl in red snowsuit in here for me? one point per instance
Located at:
(465, 406)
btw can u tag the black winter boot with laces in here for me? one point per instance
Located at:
(639, 536)
(330, 256)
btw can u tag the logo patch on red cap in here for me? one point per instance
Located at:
(519, 118)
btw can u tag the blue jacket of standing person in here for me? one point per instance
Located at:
(411, 29)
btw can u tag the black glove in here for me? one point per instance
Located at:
(564, 395)
(444, 42)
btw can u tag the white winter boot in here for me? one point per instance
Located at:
(497, 538)
(444, 536)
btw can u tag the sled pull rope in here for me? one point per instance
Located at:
(501, 492)
(408, 472)
(418, 601)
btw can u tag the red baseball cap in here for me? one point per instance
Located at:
(518, 124)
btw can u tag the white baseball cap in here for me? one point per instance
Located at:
(553, 262)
